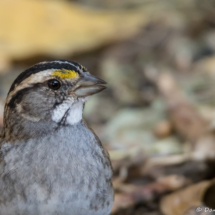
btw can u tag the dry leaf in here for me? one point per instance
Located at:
(132, 194)
(178, 203)
(163, 129)
(186, 120)
(58, 28)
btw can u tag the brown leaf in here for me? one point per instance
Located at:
(132, 194)
(122, 201)
(163, 129)
(186, 120)
(58, 28)
(178, 203)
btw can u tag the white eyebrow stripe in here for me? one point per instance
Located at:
(39, 77)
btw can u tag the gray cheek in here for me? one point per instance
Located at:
(40, 103)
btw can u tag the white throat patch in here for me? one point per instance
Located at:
(69, 112)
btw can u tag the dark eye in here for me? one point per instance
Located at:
(54, 84)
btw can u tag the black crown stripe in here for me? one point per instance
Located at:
(58, 64)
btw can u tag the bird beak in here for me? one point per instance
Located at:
(89, 85)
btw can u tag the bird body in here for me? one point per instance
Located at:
(52, 163)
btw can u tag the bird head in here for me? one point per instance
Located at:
(49, 94)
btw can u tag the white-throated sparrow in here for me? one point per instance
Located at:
(51, 163)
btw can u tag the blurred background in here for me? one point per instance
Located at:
(157, 117)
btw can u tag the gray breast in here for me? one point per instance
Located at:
(66, 172)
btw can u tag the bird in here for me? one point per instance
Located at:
(51, 162)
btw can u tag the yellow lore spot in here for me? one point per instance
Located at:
(64, 73)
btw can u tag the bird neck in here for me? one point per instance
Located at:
(67, 114)
(19, 127)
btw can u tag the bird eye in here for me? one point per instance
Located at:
(54, 84)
